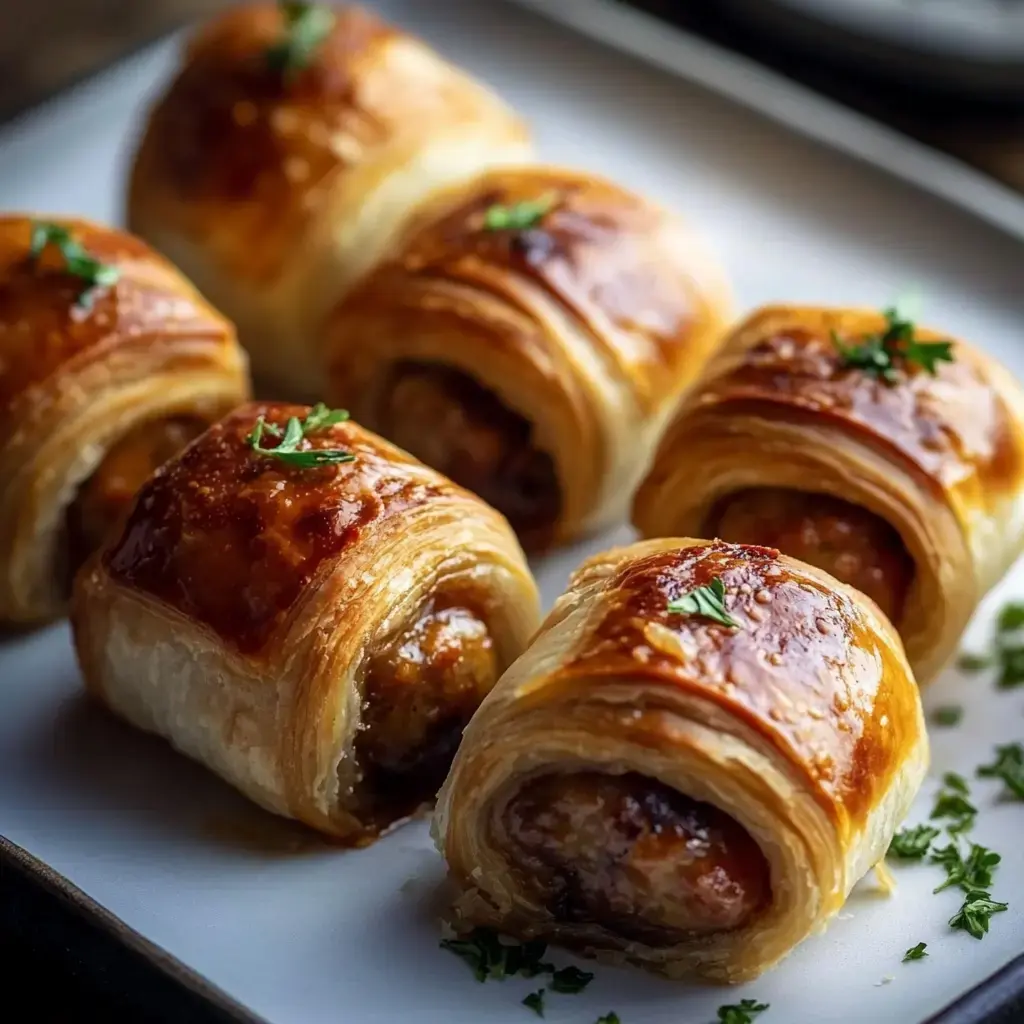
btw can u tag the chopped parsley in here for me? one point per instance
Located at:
(742, 1012)
(708, 601)
(882, 354)
(490, 959)
(306, 26)
(971, 874)
(1008, 765)
(287, 449)
(912, 843)
(520, 216)
(948, 715)
(976, 912)
(1011, 617)
(535, 1001)
(77, 261)
(915, 952)
(570, 980)
(952, 802)
(969, 662)
(1007, 649)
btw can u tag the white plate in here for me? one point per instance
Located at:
(303, 934)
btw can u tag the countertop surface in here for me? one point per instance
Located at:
(48, 44)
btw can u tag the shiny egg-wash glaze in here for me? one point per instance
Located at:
(691, 797)
(912, 490)
(549, 355)
(93, 396)
(322, 634)
(275, 190)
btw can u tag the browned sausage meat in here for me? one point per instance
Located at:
(418, 695)
(452, 423)
(847, 541)
(105, 498)
(636, 856)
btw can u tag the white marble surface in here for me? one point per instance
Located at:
(303, 934)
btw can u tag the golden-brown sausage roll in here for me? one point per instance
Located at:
(110, 362)
(282, 159)
(885, 454)
(702, 750)
(307, 611)
(527, 337)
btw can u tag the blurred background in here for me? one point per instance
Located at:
(948, 72)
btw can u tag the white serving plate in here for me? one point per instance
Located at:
(301, 933)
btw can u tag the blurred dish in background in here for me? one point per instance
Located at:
(965, 46)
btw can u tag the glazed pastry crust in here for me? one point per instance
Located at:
(274, 193)
(238, 612)
(588, 324)
(75, 380)
(941, 459)
(804, 725)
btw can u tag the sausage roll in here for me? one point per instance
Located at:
(888, 455)
(282, 159)
(702, 750)
(309, 612)
(110, 362)
(527, 337)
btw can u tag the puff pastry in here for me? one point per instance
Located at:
(527, 337)
(692, 797)
(317, 635)
(99, 384)
(274, 189)
(911, 489)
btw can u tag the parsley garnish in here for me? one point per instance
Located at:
(952, 802)
(306, 26)
(977, 910)
(969, 662)
(519, 216)
(287, 449)
(708, 601)
(1008, 766)
(1011, 666)
(1011, 617)
(912, 843)
(1007, 652)
(880, 355)
(535, 1001)
(608, 1018)
(915, 952)
(742, 1012)
(490, 958)
(971, 874)
(77, 261)
(948, 715)
(570, 980)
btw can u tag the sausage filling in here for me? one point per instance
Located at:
(418, 695)
(635, 856)
(105, 498)
(847, 541)
(450, 422)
